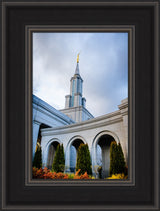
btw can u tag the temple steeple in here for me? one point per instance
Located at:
(75, 104)
(75, 98)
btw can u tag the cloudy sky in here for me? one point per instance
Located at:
(103, 66)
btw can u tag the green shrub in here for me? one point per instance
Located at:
(112, 157)
(84, 159)
(59, 160)
(117, 161)
(37, 161)
(121, 160)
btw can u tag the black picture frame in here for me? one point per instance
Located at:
(29, 30)
(15, 92)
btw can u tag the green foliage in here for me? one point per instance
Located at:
(37, 161)
(112, 157)
(84, 159)
(117, 161)
(121, 160)
(59, 160)
(70, 176)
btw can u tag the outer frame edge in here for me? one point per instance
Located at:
(3, 105)
(156, 104)
(3, 116)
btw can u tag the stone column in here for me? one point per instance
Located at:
(44, 155)
(123, 107)
(35, 132)
(77, 99)
(67, 101)
(67, 159)
(105, 161)
(94, 161)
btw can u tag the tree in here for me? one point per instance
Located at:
(113, 157)
(117, 161)
(84, 159)
(62, 159)
(59, 160)
(121, 160)
(37, 161)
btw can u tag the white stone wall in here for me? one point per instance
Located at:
(114, 124)
(65, 130)
(78, 114)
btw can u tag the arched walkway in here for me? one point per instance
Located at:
(101, 151)
(71, 152)
(50, 151)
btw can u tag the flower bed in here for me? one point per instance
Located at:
(47, 174)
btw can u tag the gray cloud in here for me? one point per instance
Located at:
(103, 67)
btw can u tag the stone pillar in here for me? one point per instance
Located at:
(124, 143)
(123, 107)
(68, 101)
(94, 161)
(73, 157)
(51, 155)
(105, 161)
(44, 155)
(35, 132)
(67, 159)
(77, 99)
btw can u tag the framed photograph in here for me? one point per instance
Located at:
(80, 105)
(69, 141)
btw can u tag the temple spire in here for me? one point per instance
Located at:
(77, 67)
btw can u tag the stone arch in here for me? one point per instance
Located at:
(51, 147)
(75, 142)
(103, 139)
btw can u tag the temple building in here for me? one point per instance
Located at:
(74, 125)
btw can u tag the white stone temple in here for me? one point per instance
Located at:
(74, 125)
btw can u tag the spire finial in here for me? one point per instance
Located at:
(78, 58)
